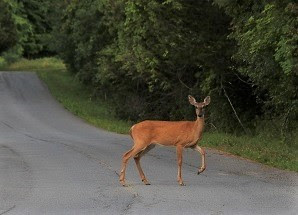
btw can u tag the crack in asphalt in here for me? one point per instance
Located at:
(129, 205)
(8, 210)
(14, 166)
(7, 125)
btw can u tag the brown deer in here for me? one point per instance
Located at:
(181, 134)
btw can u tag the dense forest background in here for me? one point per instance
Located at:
(145, 57)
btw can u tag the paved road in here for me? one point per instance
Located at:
(51, 162)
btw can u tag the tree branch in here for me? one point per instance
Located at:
(183, 83)
(226, 95)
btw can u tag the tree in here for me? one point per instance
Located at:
(25, 28)
(266, 36)
(7, 28)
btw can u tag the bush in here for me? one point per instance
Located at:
(13, 54)
(3, 63)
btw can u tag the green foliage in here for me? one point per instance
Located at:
(3, 63)
(24, 28)
(36, 12)
(13, 54)
(147, 56)
(78, 48)
(267, 47)
(7, 28)
(164, 50)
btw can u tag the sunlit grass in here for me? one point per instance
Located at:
(77, 98)
(47, 63)
(269, 151)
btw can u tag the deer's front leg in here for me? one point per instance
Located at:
(202, 152)
(179, 150)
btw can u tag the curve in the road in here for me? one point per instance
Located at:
(51, 162)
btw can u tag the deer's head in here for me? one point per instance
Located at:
(200, 106)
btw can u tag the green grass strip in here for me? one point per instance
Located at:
(77, 98)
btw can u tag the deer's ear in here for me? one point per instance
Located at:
(191, 100)
(207, 100)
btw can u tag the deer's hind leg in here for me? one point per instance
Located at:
(137, 159)
(131, 153)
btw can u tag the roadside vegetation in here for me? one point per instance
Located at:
(81, 101)
(46, 64)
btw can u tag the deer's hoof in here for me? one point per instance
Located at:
(201, 170)
(123, 183)
(146, 182)
(181, 183)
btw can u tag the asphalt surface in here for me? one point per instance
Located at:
(52, 162)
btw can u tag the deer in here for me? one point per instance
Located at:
(180, 134)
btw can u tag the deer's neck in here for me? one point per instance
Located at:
(199, 126)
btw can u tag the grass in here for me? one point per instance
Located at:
(77, 98)
(47, 64)
(269, 151)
